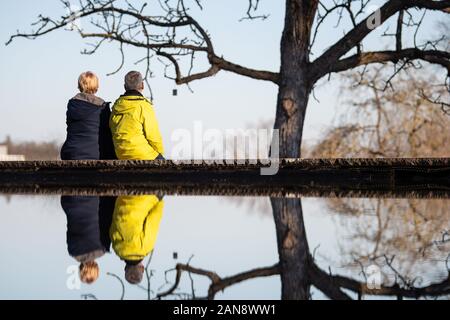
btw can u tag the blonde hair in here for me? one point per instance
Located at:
(89, 272)
(88, 82)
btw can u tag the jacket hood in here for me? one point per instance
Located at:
(91, 98)
(127, 102)
(90, 256)
(84, 106)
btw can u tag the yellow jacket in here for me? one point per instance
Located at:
(135, 129)
(135, 226)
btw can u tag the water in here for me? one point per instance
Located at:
(404, 241)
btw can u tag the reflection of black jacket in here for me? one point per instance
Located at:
(88, 133)
(88, 223)
(105, 213)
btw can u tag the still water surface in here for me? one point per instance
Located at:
(407, 241)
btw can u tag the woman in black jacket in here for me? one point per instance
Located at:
(88, 223)
(88, 133)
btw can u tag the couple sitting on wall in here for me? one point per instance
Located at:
(129, 132)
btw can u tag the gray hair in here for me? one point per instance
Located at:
(134, 273)
(133, 80)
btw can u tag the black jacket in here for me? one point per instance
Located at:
(88, 133)
(88, 223)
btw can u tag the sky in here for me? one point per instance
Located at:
(38, 77)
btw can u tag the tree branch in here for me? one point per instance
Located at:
(432, 56)
(223, 64)
(432, 290)
(323, 64)
(136, 34)
(398, 34)
(179, 79)
(218, 283)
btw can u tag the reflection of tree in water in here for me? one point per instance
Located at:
(299, 271)
(408, 238)
(404, 227)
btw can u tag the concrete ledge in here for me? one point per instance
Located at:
(404, 177)
(233, 164)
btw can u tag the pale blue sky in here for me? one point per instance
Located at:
(38, 77)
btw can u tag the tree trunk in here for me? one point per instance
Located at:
(295, 85)
(293, 248)
(294, 90)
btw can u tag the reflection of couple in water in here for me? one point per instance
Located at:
(94, 132)
(129, 223)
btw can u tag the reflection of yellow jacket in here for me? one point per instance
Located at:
(135, 129)
(135, 226)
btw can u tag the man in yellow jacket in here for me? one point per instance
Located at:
(133, 231)
(133, 123)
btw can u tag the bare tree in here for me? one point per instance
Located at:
(174, 34)
(399, 118)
